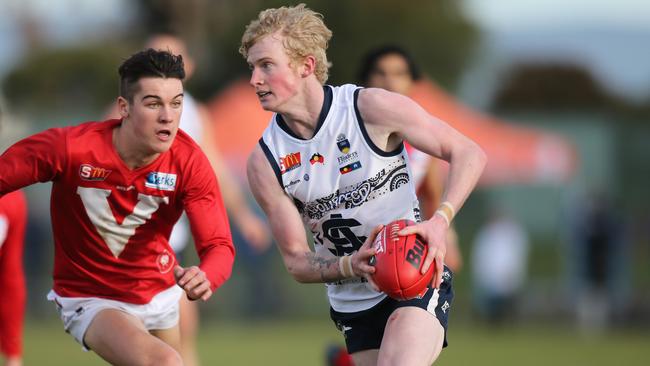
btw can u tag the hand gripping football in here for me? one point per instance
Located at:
(398, 262)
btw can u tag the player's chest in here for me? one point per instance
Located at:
(102, 179)
(322, 168)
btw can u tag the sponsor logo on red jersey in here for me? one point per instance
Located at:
(162, 181)
(165, 261)
(289, 162)
(89, 172)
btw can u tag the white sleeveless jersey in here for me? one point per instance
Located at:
(342, 184)
(191, 118)
(190, 123)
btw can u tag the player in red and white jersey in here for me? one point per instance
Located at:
(118, 188)
(13, 218)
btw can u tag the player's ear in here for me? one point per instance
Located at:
(123, 107)
(308, 66)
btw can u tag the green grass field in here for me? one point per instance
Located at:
(303, 343)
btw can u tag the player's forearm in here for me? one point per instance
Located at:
(465, 168)
(309, 267)
(240, 213)
(230, 187)
(217, 262)
(233, 197)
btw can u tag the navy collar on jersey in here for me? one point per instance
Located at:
(327, 104)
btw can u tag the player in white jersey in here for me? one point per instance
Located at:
(332, 158)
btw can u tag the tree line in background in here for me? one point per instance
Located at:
(438, 34)
(53, 81)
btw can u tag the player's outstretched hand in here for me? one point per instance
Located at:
(361, 265)
(434, 232)
(194, 282)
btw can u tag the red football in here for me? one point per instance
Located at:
(398, 262)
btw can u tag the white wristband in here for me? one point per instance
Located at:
(443, 214)
(446, 211)
(345, 266)
(447, 205)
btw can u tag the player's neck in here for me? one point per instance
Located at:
(127, 150)
(302, 113)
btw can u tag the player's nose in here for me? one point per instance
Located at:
(166, 115)
(256, 78)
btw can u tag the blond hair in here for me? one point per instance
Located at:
(303, 30)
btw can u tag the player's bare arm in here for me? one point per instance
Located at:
(287, 227)
(252, 227)
(391, 118)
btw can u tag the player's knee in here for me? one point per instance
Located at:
(394, 317)
(405, 358)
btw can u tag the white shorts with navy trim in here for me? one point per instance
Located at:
(162, 312)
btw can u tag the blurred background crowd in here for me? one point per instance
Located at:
(556, 92)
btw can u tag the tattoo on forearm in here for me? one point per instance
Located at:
(322, 266)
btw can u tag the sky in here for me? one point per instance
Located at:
(527, 15)
(609, 38)
(63, 22)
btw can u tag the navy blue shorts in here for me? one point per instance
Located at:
(364, 330)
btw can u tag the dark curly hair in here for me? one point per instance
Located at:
(373, 56)
(148, 63)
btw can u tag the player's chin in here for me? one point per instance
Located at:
(267, 107)
(161, 146)
(268, 104)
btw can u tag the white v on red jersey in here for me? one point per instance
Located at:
(111, 224)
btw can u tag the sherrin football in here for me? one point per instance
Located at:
(398, 262)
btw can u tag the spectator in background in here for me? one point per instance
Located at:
(499, 265)
(13, 220)
(394, 69)
(599, 260)
(195, 121)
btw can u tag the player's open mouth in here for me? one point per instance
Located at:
(262, 94)
(164, 135)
